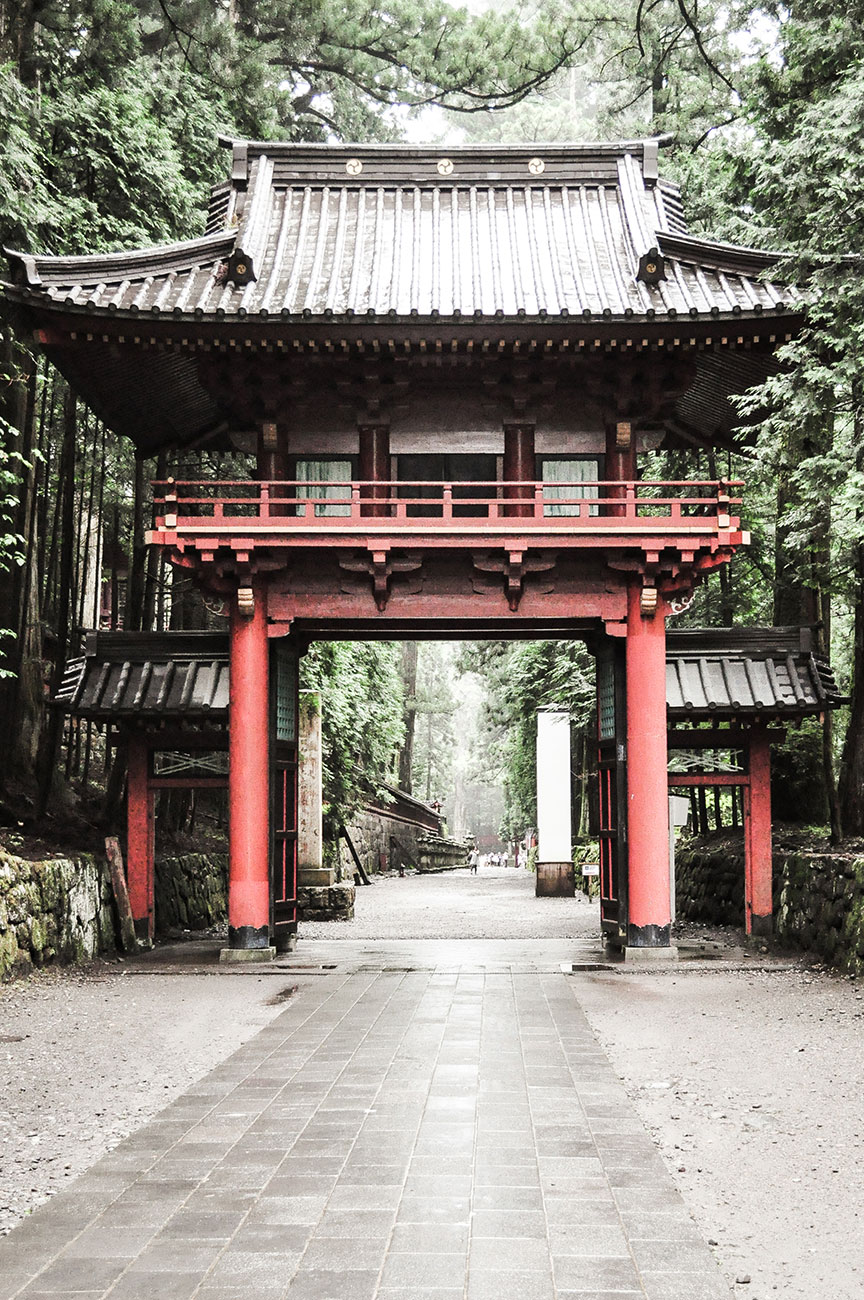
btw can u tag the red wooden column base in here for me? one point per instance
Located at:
(758, 893)
(649, 905)
(139, 837)
(249, 780)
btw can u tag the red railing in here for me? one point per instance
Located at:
(289, 506)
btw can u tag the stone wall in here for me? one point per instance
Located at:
(57, 910)
(818, 892)
(191, 892)
(709, 879)
(388, 844)
(819, 903)
(435, 853)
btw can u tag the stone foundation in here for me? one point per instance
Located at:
(326, 903)
(59, 910)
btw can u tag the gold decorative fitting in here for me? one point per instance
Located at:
(648, 602)
(623, 435)
(245, 602)
(445, 166)
(536, 166)
(353, 166)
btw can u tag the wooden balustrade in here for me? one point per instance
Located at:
(289, 506)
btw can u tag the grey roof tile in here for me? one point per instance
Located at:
(492, 236)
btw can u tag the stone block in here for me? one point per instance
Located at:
(326, 903)
(555, 880)
(245, 956)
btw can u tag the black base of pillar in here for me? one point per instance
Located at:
(648, 936)
(761, 927)
(142, 929)
(247, 936)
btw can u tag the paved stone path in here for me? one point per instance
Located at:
(436, 1133)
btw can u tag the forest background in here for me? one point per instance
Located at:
(109, 117)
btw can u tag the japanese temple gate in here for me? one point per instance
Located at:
(447, 369)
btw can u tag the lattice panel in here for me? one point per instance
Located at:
(285, 669)
(606, 698)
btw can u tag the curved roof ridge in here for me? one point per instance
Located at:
(58, 266)
(402, 149)
(678, 245)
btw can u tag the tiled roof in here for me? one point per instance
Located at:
(149, 674)
(739, 672)
(710, 672)
(390, 231)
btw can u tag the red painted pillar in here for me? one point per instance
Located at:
(375, 465)
(249, 778)
(648, 895)
(758, 897)
(519, 467)
(620, 462)
(139, 836)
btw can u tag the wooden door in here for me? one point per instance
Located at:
(283, 794)
(612, 790)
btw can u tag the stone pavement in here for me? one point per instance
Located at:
(439, 1133)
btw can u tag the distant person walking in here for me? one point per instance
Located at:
(472, 861)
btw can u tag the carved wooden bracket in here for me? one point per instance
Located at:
(515, 567)
(380, 566)
(245, 602)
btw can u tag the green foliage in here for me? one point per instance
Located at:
(795, 796)
(434, 728)
(361, 688)
(521, 678)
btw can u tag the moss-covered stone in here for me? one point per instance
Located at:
(59, 909)
(819, 896)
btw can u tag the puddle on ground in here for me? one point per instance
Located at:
(283, 995)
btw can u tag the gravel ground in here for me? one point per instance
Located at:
(751, 1082)
(497, 903)
(86, 1057)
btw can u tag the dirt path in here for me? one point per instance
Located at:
(496, 903)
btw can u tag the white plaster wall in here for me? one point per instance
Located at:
(553, 787)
